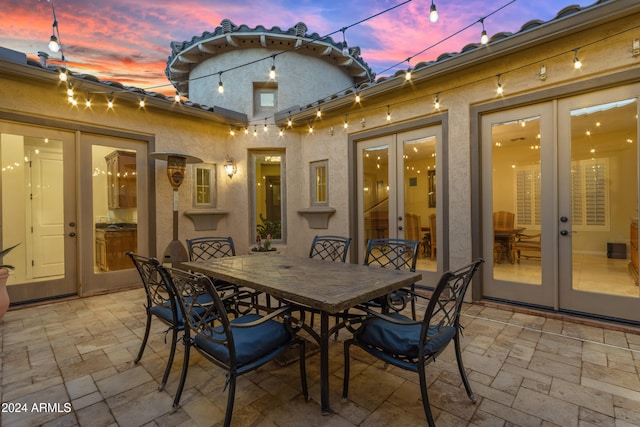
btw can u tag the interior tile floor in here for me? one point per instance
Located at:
(70, 363)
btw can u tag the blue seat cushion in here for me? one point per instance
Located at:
(251, 343)
(163, 311)
(403, 340)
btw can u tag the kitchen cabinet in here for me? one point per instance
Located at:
(112, 246)
(121, 179)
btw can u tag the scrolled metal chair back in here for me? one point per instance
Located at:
(332, 248)
(399, 254)
(204, 248)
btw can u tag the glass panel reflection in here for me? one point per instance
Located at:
(517, 203)
(604, 196)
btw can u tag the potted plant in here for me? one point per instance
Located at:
(264, 233)
(4, 275)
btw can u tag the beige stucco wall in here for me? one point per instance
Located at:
(301, 79)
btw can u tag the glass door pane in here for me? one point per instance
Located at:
(38, 208)
(517, 202)
(419, 194)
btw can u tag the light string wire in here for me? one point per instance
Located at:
(418, 53)
(291, 49)
(482, 79)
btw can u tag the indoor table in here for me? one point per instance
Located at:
(327, 288)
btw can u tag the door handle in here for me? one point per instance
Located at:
(72, 234)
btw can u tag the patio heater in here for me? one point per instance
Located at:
(176, 166)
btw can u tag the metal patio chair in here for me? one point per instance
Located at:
(332, 248)
(412, 345)
(237, 345)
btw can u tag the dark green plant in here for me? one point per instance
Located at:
(3, 252)
(269, 228)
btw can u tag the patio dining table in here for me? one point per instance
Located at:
(327, 288)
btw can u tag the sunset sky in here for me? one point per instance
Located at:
(128, 41)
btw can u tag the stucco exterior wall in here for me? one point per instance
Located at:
(301, 79)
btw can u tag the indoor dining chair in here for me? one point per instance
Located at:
(238, 345)
(411, 345)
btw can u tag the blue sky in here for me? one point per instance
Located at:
(128, 41)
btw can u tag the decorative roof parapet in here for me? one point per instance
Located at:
(187, 54)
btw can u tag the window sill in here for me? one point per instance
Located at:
(318, 217)
(205, 219)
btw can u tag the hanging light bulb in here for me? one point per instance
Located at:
(176, 97)
(110, 103)
(69, 90)
(346, 123)
(388, 114)
(576, 61)
(54, 46)
(433, 13)
(289, 122)
(407, 74)
(255, 131)
(142, 103)
(345, 47)
(281, 133)
(310, 128)
(484, 39)
(499, 90)
(265, 125)
(436, 103)
(232, 132)
(87, 102)
(246, 130)
(272, 72)
(358, 98)
(319, 113)
(220, 85)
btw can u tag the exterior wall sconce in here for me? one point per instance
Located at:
(230, 167)
(635, 52)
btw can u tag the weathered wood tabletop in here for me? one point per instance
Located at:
(327, 286)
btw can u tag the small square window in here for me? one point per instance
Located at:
(267, 99)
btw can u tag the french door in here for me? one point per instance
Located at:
(566, 171)
(398, 193)
(38, 211)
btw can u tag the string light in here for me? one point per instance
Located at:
(246, 130)
(407, 74)
(484, 39)
(436, 103)
(176, 97)
(141, 103)
(499, 90)
(345, 47)
(265, 125)
(110, 102)
(388, 113)
(346, 122)
(232, 132)
(576, 61)
(433, 13)
(255, 131)
(220, 85)
(272, 72)
(289, 122)
(319, 113)
(87, 102)
(281, 132)
(358, 98)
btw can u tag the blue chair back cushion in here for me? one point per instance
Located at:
(251, 343)
(163, 311)
(403, 340)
